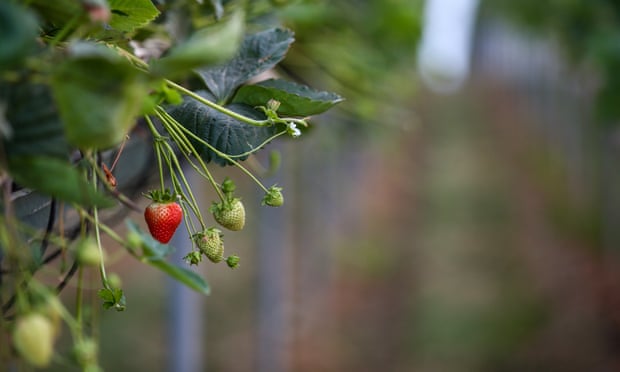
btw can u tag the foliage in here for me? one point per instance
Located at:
(363, 49)
(77, 79)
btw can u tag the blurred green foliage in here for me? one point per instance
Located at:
(364, 50)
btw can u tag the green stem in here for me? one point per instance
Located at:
(215, 106)
(191, 201)
(65, 30)
(157, 137)
(79, 297)
(106, 229)
(250, 152)
(223, 155)
(122, 198)
(172, 126)
(104, 277)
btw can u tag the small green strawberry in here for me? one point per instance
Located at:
(230, 214)
(273, 197)
(114, 281)
(210, 244)
(33, 338)
(163, 215)
(88, 252)
(233, 261)
(85, 352)
(193, 257)
(228, 187)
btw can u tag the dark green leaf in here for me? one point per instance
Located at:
(295, 99)
(112, 298)
(34, 125)
(99, 96)
(154, 254)
(18, 33)
(207, 46)
(57, 178)
(226, 134)
(185, 276)
(258, 53)
(55, 14)
(128, 15)
(150, 247)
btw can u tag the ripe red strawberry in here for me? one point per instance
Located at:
(163, 215)
(230, 214)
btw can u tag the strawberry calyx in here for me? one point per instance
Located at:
(193, 257)
(162, 196)
(233, 261)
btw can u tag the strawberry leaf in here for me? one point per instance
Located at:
(226, 134)
(154, 254)
(112, 298)
(151, 248)
(183, 275)
(128, 15)
(34, 126)
(99, 95)
(207, 46)
(56, 178)
(258, 53)
(18, 33)
(295, 99)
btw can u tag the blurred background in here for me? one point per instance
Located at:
(460, 211)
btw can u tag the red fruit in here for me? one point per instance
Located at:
(163, 216)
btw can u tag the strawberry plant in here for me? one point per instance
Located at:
(82, 84)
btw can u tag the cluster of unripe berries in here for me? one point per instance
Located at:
(164, 215)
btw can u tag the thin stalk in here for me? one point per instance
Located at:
(215, 106)
(104, 277)
(172, 126)
(65, 30)
(122, 198)
(191, 201)
(157, 138)
(79, 297)
(223, 155)
(106, 229)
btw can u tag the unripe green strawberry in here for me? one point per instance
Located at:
(114, 281)
(273, 197)
(228, 187)
(210, 244)
(233, 261)
(193, 257)
(85, 352)
(230, 214)
(134, 240)
(88, 252)
(163, 215)
(33, 338)
(52, 309)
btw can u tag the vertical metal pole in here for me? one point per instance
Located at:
(185, 308)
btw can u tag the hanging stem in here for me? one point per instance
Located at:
(223, 155)
(157, 137)
(172, 126)
(104, 277)
(215, 106)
